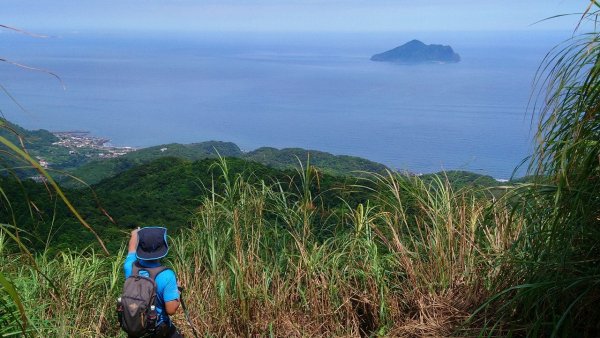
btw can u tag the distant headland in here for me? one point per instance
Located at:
(416, 51)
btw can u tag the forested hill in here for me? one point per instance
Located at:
(288, 158)
(41, 145)
(96, 170)
(87, 164)
(31, 138)
(166, 191)
(163, 185)
(36, 142)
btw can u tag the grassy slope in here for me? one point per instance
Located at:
(165, 191)
(290, 258)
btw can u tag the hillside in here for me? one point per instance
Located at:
(88, 165)
(460, 178)
(32, 139)
(95, 171)
(166, 191)
(41, 145)
(288, 158)
(269, 236)
(85, 164)
(227, 218)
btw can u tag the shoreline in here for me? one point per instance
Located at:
(77, 139)
(81, 139)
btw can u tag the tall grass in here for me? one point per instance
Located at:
(414, 260)
(78, 303)
(16, 157)
(552, 282)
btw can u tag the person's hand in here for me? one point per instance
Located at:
(133, 240)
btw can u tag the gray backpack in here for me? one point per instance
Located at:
(136, 308)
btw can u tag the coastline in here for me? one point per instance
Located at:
(75, 140)
(78, 140)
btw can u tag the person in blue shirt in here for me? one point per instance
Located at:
(146, 247)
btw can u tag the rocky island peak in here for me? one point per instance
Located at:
(416, 51)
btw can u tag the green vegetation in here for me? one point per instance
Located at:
(87, 166)
(461, 179)
(165, 191)
(95, 171)
(288, 158)
(13, 309)
(552, 286)
(32, 139)
(277, 257)
(39, 144)
(265, 251)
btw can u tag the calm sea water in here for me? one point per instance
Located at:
(317, 91)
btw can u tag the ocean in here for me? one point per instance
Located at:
(309, 90)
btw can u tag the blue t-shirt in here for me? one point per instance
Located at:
(166, 284)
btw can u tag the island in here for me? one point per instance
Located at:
(416, 51)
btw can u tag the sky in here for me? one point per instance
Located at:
(288, 15)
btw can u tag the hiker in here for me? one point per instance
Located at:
(146, 247)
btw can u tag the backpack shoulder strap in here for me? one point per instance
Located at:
(135, 269)
(153, 272)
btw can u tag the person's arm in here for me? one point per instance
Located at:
(131, 258)
(172, 306)
(133, 241)
(171, 294)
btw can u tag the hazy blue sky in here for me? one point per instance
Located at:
(292, 15)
